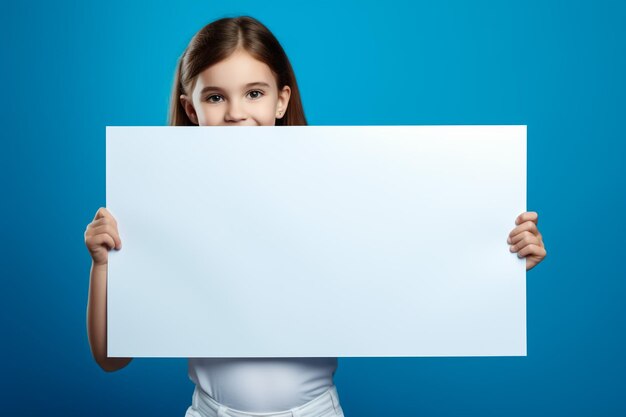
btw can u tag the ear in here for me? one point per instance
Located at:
(283, 101)
(188, 106)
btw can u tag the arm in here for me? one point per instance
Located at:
(97, 320)
(101, 236)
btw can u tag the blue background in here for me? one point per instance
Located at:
(71, 68)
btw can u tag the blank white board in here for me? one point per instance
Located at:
(315, 241)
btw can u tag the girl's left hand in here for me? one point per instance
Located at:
(526, 239)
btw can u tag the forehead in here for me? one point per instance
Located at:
(237, 70)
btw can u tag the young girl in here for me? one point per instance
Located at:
(234, 72)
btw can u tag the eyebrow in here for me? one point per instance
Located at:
(254, 84)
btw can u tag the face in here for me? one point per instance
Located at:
(238, 91)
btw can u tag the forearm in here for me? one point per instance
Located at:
(97, 320)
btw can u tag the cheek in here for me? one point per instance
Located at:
(267, 117)
(209, 117)
(268, 120)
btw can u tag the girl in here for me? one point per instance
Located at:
(234, 72)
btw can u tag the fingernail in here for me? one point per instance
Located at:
(508, 239)
(511, 248)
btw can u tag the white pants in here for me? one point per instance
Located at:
(325, 405)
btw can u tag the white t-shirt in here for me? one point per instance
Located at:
(263, 385)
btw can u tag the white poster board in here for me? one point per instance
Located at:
(316, 241)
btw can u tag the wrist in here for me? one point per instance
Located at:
(99, 265)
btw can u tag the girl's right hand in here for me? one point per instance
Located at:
(101, 236)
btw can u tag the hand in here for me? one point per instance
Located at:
(526, 239)
(101, 236)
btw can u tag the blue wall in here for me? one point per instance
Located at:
(71, 68)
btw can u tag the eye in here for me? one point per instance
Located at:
(255, 94)
(211, 98)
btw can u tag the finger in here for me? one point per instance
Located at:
(103, 220)
(102, 228)
(526, 240)
(103, 239)
(526, 226)
(104, 213)
(532, 216)
(532, 250)
(513, 240)
(111, 231)
(97, 222)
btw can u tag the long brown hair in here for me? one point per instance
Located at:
(217, 41)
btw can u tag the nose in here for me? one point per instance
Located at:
(235, 112)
